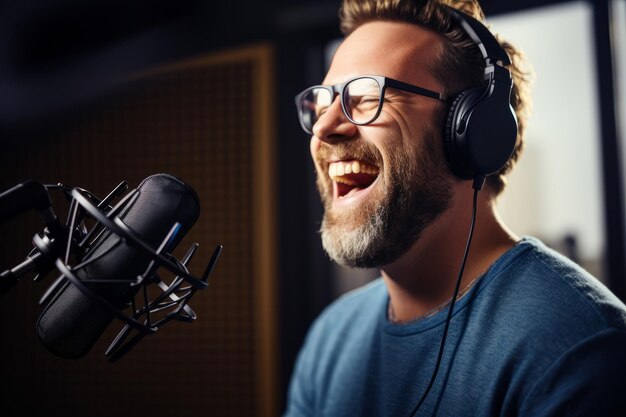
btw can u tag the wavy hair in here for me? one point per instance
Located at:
(459, 64)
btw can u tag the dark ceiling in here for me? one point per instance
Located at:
(57, 54)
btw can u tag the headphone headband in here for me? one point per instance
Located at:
(481, 126)
(489, 46)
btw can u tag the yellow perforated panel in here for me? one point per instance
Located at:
(208, 122)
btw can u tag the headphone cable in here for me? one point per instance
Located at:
(479, 181)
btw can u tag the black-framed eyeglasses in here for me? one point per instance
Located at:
(361, 97)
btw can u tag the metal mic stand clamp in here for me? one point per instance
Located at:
(20, 199)
(53, 242)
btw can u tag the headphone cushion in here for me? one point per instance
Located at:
(456, 123)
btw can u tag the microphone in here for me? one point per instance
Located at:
(132, 241)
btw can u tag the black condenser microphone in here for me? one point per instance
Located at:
(72, 321)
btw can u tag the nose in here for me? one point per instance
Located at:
(333, 126)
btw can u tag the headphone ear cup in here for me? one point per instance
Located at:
(481, 131)
(456, 125)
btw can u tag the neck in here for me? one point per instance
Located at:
(425, 277)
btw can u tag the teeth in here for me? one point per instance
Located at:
(344, 180)
(339, 169)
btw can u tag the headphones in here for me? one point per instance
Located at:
(481, 126)
(480, 135)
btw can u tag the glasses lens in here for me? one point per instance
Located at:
(313, 104)
(361, 99)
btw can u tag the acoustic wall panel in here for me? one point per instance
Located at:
(209, 122)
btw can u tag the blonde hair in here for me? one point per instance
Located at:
(459, 64)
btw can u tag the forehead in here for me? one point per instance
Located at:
(393, 49)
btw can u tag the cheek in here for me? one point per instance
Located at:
(314, 146)
(400, 132)
(391, 140)
(322, 180)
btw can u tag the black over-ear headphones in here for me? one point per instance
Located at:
(481, 127)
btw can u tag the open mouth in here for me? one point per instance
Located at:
(351, 177)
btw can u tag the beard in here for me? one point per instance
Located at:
(412, 191)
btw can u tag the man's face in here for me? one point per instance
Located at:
(381, 184)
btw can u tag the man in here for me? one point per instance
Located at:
(523, 332)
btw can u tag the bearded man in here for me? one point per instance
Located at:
(420, 110)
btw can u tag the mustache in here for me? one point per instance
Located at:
(351, 149)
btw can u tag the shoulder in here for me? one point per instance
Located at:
(374, 291)
(545, 284)
(360, 306)
(345, 324)
(338, 331)
(540, 305)
(552, 329)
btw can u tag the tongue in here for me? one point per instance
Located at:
(345, 189)
(351, 183)
(356, 180)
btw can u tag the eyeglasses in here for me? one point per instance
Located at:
(361, 99)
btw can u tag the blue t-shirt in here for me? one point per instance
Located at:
(536, 336)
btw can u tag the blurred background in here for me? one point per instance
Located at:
(93, 93)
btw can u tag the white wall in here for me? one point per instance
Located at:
(557, 187)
